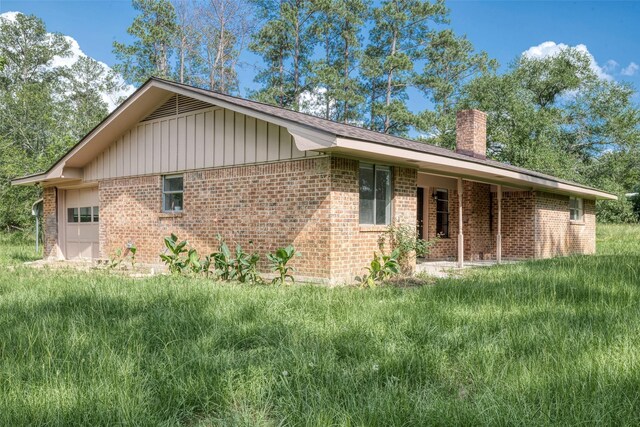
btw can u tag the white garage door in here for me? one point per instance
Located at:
(82, 216)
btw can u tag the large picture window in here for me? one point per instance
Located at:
(375, 194)
(442, 213)
(172, 193)
(575, 209)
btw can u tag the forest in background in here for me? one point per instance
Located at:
(351, 61)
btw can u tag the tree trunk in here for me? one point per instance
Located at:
(387, 119)
(346, 79)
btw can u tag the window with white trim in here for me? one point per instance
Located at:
(172, 193)
(375, 194)
(575, 209)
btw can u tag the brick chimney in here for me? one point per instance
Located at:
(471, 133)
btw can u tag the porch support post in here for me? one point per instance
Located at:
(460, 234)
(499, 234)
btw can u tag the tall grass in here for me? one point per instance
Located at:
(545, 342)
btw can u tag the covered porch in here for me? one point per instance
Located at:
(473, 221)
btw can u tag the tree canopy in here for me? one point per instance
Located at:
(352, 61)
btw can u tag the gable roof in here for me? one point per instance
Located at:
(309, 132)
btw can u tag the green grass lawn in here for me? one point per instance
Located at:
(548, 342)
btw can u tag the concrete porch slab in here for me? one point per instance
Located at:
(445, 269)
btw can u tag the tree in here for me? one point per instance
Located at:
(44, 109)
(154, 30)
(222, 29)
(400, 33)
(186, 38)
(86, 83)
(285, 42)
(556, 116)
(337, 27)
(450, 63)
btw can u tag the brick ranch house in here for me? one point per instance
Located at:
(178, 159)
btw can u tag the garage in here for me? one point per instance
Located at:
(82, 216)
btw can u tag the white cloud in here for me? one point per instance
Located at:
(610, 66)
(630, 70)
(546, 49)
(11, 16)
(76, 53)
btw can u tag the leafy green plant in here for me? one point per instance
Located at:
(246, 266)
(223, 262)
(404, 238)
(133, 250)
(115, 259)
(279, 260)
(119, 256)
(193, 261)
(175, 259)
(381, 268)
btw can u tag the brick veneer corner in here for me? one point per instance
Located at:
(352, 244)
(50, 220)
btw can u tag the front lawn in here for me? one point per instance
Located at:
(554, 341)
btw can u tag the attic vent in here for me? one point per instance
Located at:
(166, 109)
(177, 104)
(186, 104)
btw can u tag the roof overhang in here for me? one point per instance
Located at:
(68, 170)
(148, 97)
(469, 170)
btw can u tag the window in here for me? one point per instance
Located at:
(575, 209)
(83, 214)
(72, 215)
(442, 213)
(172, 191)
(375, 194)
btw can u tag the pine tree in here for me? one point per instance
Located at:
(154, 30)
(450, 63)
(338, 28)
(285, 42)
(400, 32)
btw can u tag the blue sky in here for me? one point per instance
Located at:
(504, 29)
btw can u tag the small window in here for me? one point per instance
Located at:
(441, 198)
(96, 214)
(72, 215)
(172, 192)
(375, 194)
(575, 209)
(85, 214)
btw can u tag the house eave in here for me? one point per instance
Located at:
(456, 167)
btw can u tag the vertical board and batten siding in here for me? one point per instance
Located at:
(198, 139)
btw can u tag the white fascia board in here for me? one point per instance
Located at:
(469, 168)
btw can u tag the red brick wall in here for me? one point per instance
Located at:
(271, 205)
(312, 203)
(479, 241)
(555, 234)
(480, 224)
(50, 222)
(353, 244)
(518, 224)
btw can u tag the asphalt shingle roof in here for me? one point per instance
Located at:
(355, 132)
